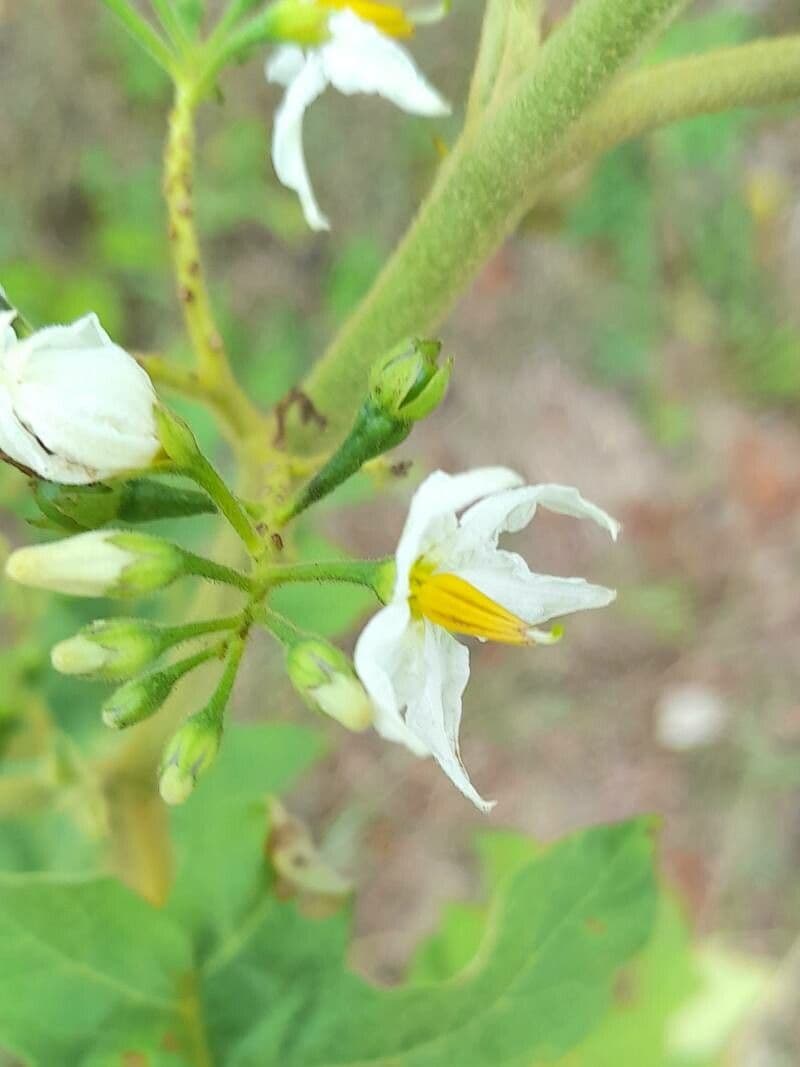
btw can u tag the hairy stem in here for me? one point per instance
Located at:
(482, 191)
(214, 379)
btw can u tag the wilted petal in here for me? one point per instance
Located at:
(287, 138)
(431, 517)
(360, 59)
(434, 710)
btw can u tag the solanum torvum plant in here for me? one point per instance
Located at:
(90, 421)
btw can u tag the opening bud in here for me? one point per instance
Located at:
(111, 563)
(112, 650)
(325, 678)
(409, 384)
(189, 754)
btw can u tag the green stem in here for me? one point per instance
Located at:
(216, 572)
(219, 701)
(207, 478)
(482, 190)
(751, 75)
(143, 32)
(279, 626)
(190, 630)
(171, 23)
(365, 572)
(214, 377)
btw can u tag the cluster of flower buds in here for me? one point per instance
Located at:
(107, 458)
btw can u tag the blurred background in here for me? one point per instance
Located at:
(638, 338)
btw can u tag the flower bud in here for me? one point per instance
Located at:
(112, 650)
(189, 754)
(139, 699)
(100, 563)
(87, 507)
(408, 384)
(325, 679)
(74, 407)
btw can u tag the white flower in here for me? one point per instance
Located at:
(356, 58)
(452, 578)
(74, 407)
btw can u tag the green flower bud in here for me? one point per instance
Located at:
(88, 507)
(112, 650)
(189, 754)
(139, 699)
(100, 563)
(324, 677)
(409, 384)
(177, 438)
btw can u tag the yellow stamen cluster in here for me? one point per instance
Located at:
(454, 604)
(387, 18)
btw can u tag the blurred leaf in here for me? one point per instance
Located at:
(93, 971)
(217, 871)
(86, 958)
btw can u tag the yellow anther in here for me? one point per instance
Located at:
(388, 18)
(454, 604)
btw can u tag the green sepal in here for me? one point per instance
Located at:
(373, 433)
(88, 507)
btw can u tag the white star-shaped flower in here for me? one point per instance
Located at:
(451, 578)
(355, 58)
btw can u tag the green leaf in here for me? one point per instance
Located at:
(82, 959)
(93, 972)
(540, 982)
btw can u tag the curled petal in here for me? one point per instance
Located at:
(506, 579)
(287, 137)
(431, 517)
(360, 59)
(434, 712)
(511, 511)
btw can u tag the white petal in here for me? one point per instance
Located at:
(85, 399)
(389, 661)
(360, 59)
(284, 65)
(505, 578)
(85, 565)
(7, 336)
(287, 138)
(434, 712)
(513, 510)
(432, 515)
(22, 447)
